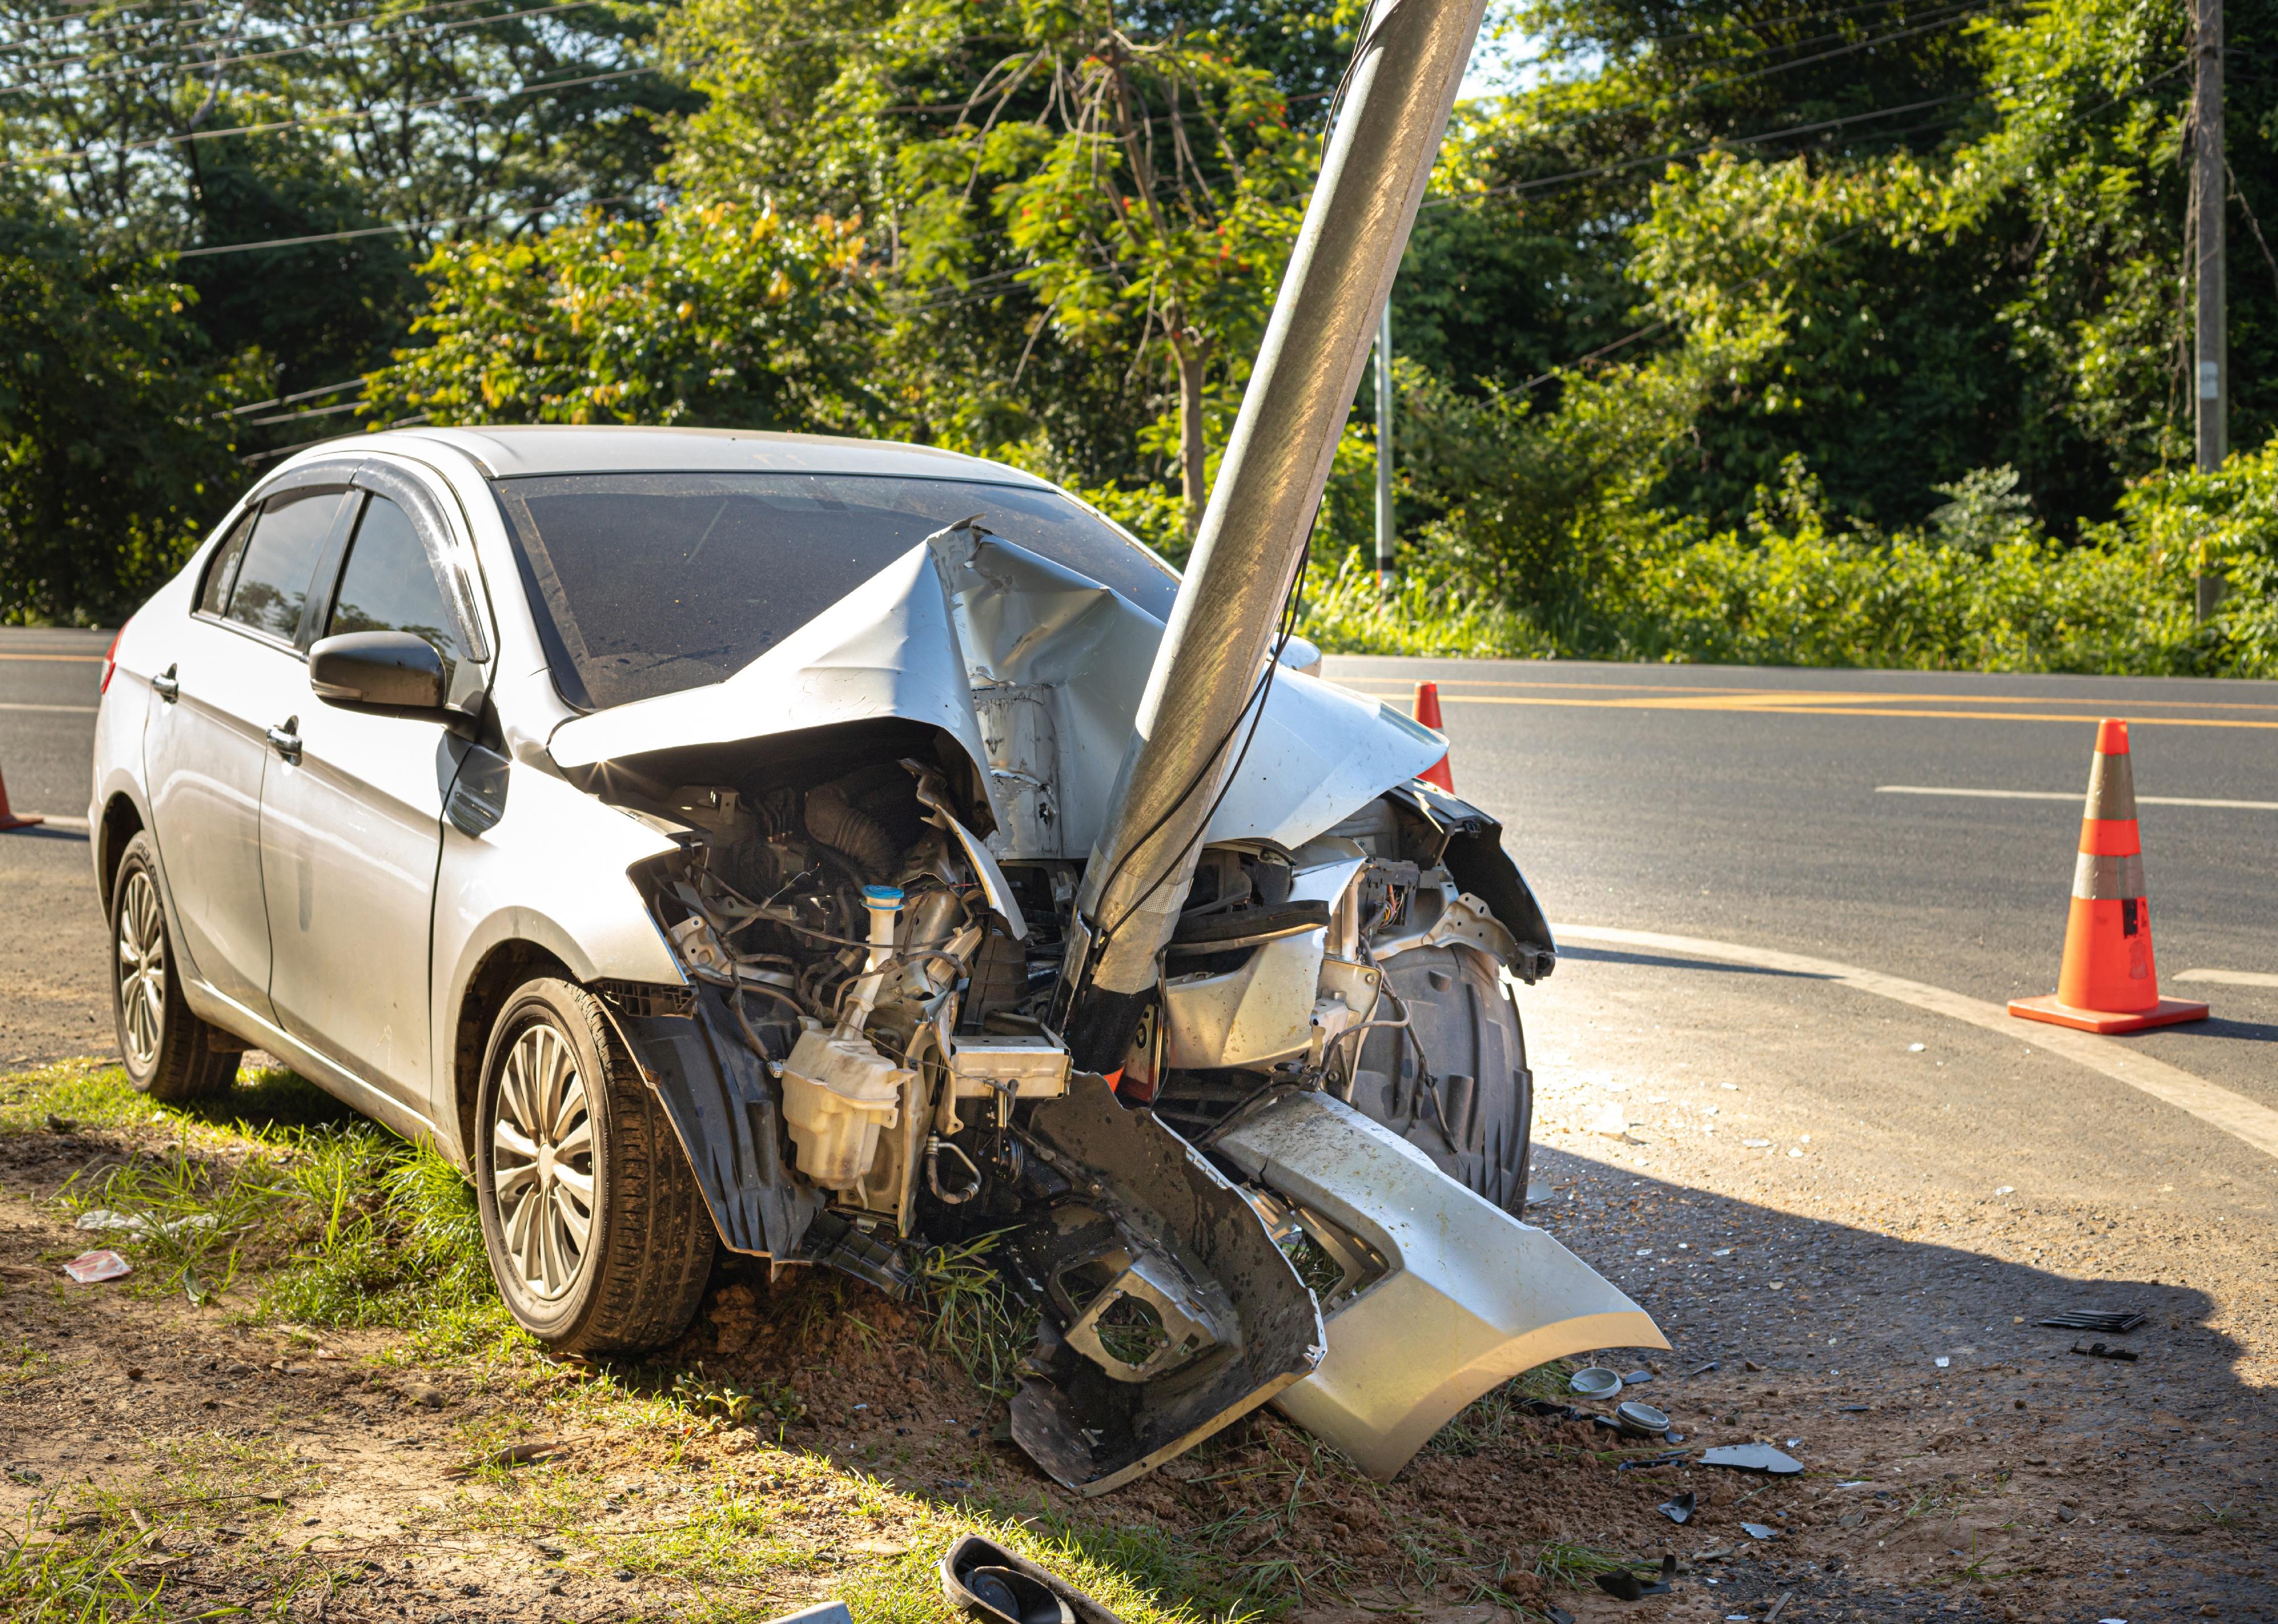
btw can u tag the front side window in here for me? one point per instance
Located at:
(280, 561)
(221, 574)
(649, 583)
(388, 584)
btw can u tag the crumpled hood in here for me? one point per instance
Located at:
(960, 612)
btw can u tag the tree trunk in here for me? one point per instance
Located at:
(1194, 467)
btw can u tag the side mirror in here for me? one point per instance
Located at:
(395, 673)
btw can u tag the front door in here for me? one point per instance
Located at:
(351, 829)
(224, 669)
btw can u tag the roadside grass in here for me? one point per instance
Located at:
(313, 1221)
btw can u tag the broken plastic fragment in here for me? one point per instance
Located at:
(1758, 1530)
(1005, 1587)
(1753, 1458)
(1678, 1510)
(1597, 1382)
(1641, 1421)
(1624, 1585)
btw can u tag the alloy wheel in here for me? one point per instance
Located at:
(542, 1162)
(141, 970)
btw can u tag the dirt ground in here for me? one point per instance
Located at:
(1960, 1462)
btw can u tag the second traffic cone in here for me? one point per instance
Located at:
(15, 820)
(1427, 711)
(2109, 981)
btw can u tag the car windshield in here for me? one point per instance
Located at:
(649, 583)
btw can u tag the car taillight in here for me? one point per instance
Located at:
(110, 661)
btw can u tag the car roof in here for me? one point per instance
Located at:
(510, 453)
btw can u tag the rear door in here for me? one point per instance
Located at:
(351, 820)
(226, 673)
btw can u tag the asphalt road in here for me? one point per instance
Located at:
(1745, 806)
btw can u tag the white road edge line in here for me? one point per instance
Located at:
(60, 820)
(2230, 978)
(2068, 795)
(76, 710)
(2217, 1107)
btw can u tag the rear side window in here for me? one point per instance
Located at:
(280, 561)
(389, 585)
(221, 574)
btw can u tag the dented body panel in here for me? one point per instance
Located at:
(1470, 1297)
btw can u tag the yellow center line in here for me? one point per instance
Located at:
(1802, 696)
(1760, 706)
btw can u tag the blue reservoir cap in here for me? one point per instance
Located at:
(882, 896)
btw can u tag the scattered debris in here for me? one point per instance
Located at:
(135, 1224)
(821, 1613)
(2111, 1321)
(61, 1124)
(1641, 1421)
(1597, 1382)
(89, 1267)
(1679, 1510)
(1759, 1530)
(1942, 1362)
(1624, 1585)
(1637, 1378)
(1704, 1370)
(1753, 1458)
(2105, 1350)
(1005, 1588)
(1750, 1364)
(1646, 1463)
(1778, 1605)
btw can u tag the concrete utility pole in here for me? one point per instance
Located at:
(1207, 673)
(1385, 545)
(2209, 191)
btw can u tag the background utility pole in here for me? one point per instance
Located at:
(1384, 542)
(2210, 193)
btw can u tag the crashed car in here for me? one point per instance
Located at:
(682, 830)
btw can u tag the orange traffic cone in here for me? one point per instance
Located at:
(2108, 981)
(13, 820)
(1427, 711)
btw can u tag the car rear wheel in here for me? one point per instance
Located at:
(171, 1055)
(596, 1234)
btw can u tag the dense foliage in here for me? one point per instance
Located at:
(1735, 330)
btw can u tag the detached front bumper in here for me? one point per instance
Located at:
(1471, 1296)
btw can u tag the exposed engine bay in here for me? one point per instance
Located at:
(871, 916)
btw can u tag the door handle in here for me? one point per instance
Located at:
(286, 740)
(168, 687)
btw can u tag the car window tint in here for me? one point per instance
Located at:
(273, 581)
(388, 584)
(221, 574)
(647, 584)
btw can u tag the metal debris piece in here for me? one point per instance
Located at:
(1624, 1585)
(1759, 1530)
(1641, 1421)
(1005, 1588)
(1637, 1378)
(1702, 1370)
(1679, 1510)
(1597, 1382)
(1753, 1458)
(2105, 1350)
(1646, 1463)
(2114, 1322)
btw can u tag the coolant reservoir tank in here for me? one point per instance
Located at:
(839, 1094)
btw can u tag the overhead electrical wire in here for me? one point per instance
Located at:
(382, 231)
(401, 36)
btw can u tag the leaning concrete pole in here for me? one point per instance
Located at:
(1388, 129)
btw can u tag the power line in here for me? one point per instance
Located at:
(343, 115)
(402, 35)
(381, 231)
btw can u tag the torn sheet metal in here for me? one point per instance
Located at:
(1471, 1296)
(1146, 1220)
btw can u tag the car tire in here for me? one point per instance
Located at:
(170, 1053)
(1477, 1123)
(596, 1234)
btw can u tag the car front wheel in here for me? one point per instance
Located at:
(171, 1055)
(596, 1231)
